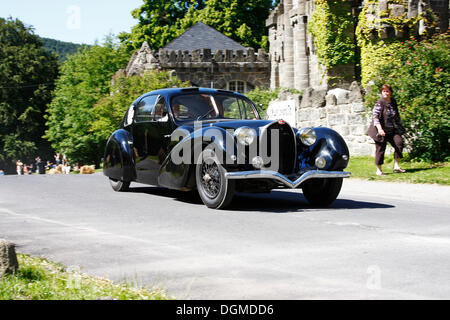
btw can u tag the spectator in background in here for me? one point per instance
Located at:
(48, 165)
(57, 159)
(39, 166)
(65, 166)
(25, 169)
(2, 173)
(19, 167)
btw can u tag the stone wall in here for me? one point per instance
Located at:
(339, 109)
(203, 68)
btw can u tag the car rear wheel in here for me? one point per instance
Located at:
(215, 190)
(119, 185)
(322, 192)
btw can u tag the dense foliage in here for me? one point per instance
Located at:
(262, 97)
(159, 22)
(420, 75)
(85, 78)
(61, 48)
(375, 40)
(109, 111)
(332, 26)
(27, 74)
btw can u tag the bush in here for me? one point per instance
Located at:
(419, 74)
(261, 96)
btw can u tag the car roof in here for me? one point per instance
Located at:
(169, 92)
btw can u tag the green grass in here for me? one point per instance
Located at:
(416, 172)
(40, 279)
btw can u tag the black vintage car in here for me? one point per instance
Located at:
(216, 142)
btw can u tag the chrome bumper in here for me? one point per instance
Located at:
(274, 175)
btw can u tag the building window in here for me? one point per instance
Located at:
(240, 86)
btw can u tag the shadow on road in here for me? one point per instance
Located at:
(275, 201)
(287, 201)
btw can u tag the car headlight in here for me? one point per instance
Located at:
(245, 135)
(307, 136)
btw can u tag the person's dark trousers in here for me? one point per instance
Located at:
(380, 147)
(41, 168)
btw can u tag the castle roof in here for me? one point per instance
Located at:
(202, 36)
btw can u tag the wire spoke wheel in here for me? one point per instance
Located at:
(215, 190)
(211, 180)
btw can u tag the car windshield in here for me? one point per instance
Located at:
(206, 106)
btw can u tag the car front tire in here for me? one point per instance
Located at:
(215, 190)
(322, 192)
(119, 185)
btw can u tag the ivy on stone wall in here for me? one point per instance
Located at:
(332, 27)
(381, 30)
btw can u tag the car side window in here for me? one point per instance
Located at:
(231, 108)
(247, 111)
(145, 109)
(160, 110)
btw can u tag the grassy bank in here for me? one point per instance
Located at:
(416, 172)
(40, 279)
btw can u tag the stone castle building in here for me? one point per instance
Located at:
(294, 61)
(206, 58)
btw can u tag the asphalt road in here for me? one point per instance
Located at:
(368, 245)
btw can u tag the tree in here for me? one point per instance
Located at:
(241, 20)
(157, 22)
(85, 78)
(109, 110)
(27, 74)
(61, 48)
(162, 21)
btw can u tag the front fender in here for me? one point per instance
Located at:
(119, 160)
(330, 145)
(177, 171)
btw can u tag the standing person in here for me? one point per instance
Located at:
(389, 128)
(19, 167)
(57, 159)
(39, 166)
(25, 169)
(65, 165)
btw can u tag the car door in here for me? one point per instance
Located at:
(150, 132)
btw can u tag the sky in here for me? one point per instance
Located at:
(77, 21)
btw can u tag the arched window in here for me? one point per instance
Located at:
(240, 86)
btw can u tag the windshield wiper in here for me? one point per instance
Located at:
(205, 115)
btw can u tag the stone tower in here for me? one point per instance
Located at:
(294, 64)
